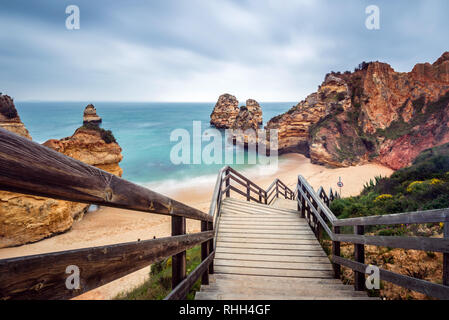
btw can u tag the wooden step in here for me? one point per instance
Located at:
(273, 258)
(322, 274)
(305, 252)
(246, 204)
(291, 266)
(231, 296)
(265, 236)
(298, 240)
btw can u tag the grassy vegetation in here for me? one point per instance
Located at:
(106, 135)
(422, 186)
(158, 286)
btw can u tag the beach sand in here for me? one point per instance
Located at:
(109, 225)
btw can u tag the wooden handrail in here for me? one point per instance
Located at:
(43, 276)
(30, 168)
(314, 204)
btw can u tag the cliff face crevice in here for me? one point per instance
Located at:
(26, 218)
(371, 114)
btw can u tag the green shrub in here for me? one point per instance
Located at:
(106, 135)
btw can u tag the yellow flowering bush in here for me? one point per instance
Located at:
(436, 181)
(412, 186)
(383, 197)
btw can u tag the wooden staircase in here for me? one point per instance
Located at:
(267, 252)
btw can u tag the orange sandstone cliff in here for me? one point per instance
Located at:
(25, 218)
(371, 114)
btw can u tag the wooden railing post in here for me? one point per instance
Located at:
(446, 257)
(303, 202)
(336, 253)
(359, 256)
(210, 227)
(179, 268)
(260, 196)
(266, 197)
(277, 190)
(248, 191)
(227, 183)
(205, 253)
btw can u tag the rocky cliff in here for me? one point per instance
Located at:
(225, 111)
(25, 218)
(371, 114)
(228, 115)
(9, 118)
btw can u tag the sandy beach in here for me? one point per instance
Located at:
(110, 225)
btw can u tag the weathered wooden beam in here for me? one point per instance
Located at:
(446, 257)
(430, 216)
(426, 287)
(44, 276)
(30, 168)
(416, 243)
(179, 260)
(336, 252)
(204, 254)
(181, 291)
(359, 256)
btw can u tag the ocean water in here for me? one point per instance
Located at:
(142, 130)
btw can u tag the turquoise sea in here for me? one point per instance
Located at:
(142, 130)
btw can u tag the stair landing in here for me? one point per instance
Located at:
(270, 253)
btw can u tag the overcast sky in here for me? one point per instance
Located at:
(195, 50)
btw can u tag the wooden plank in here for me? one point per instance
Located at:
(430, 216)
(44, 276)
(303, 252)
(243, 209)
(280, 246)
(30, 168)
(428, 288)
(274, 272)
(273, 258)
(264, 224)
(416, 243)
(256, 281)
(266, 236)
(359, 256)
(254, 205)
(232, 296)
(308, 240)
(274, 265)
(295, 232)
(183, 288)
(179, 263)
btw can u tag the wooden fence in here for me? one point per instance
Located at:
(314, 207)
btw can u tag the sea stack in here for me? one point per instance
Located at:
(90, 116)
(225, 112)
(9, 118)
(254, 108)
(91, 144)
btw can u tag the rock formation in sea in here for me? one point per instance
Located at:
(25, 218)
(228, 115)
(225, 112)
(9, 118)
(371, 114)
(90, 116)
